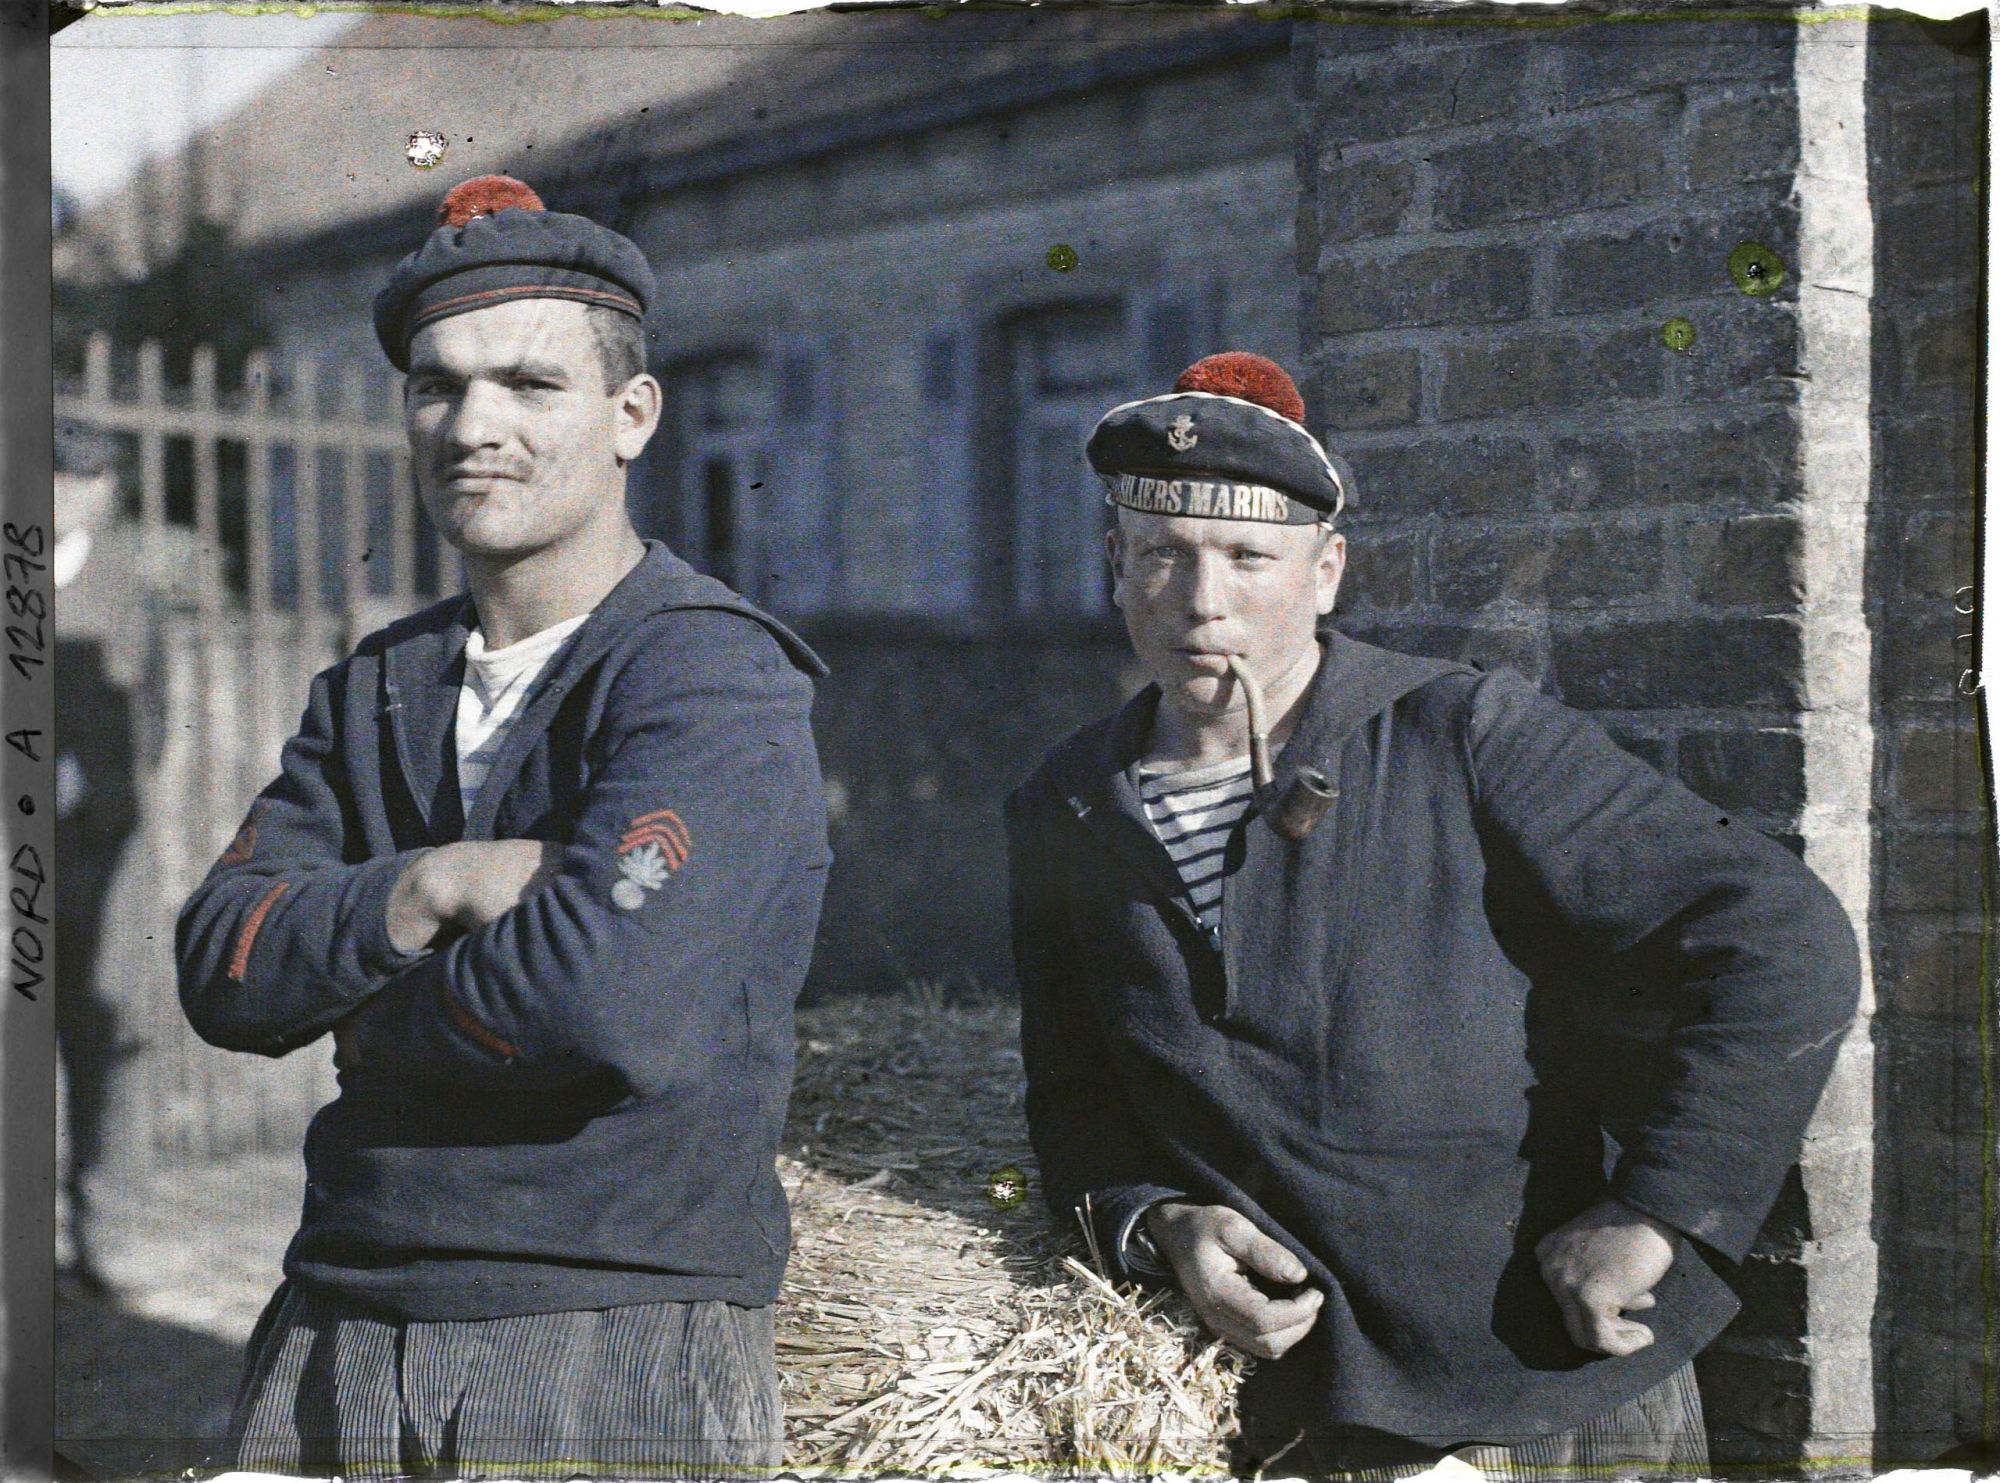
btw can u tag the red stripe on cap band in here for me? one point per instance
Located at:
(458, 302)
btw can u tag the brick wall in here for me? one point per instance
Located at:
(1488, 270)
(1498, 221)
(1926, 101)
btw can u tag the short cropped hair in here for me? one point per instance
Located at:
(621, 345)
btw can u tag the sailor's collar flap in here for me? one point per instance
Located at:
(662, 582)
(1094, 768)
(1355, 682)
(422, 668)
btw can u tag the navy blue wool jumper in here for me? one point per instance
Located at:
(1514, 970)
(578, 1104)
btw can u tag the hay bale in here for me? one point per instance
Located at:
(923, 1327)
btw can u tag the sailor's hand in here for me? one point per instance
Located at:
(484, 878)
(1603, 1265)
(1236, 1277)
(464, 885)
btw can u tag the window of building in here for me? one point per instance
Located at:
(740, 477)
(1060, 369)
(698, 484)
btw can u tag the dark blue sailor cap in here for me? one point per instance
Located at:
(1229, 442)
(495, 241)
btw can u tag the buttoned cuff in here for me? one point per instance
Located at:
(1115, 1215)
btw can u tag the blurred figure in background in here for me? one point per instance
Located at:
(104, 663)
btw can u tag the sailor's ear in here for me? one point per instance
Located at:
(1328, 568)
(636, 413)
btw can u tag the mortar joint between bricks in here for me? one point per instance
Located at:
(1532, 233)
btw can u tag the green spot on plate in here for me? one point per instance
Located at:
(1677, 334)
(1062, 257)
(1756, 269)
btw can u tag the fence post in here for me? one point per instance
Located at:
(152, 447)
(257, 551)
(203, 435)
(218, 675)
(353, 501)
(402, 508)
(304, 408)
(97, 369)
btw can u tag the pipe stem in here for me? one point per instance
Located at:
(1261, 775)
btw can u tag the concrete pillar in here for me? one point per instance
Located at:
(1836, 287)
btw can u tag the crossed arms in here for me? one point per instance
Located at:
(510, 963)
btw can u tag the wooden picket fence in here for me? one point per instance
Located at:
(277, 523)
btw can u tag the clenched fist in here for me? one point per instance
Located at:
(1224, 1264)
(465, 885)
(1603, 1265)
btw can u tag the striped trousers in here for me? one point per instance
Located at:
(649, 1390)
(1658, 1434)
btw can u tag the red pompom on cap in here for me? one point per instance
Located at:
(485, 194)
(1248, 377)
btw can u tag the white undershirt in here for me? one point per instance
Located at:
(496, 682)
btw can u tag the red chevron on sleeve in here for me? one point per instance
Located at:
(664, 828)
(245, 843)
(478, 1031)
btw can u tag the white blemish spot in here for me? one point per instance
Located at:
(426, 149)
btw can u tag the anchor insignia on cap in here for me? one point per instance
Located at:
(1181, 434)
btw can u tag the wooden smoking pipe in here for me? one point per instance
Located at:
(1305, 803)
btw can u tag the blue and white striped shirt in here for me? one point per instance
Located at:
(1192, 811)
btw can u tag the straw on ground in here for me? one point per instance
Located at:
(923, 1326)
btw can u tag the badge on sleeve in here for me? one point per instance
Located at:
(654, 847)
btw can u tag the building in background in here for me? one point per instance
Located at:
(906, 259)
(900, 274)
